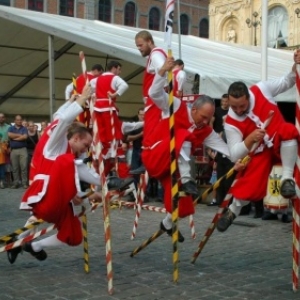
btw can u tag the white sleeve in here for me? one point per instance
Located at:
(215, 142)
(87, 174)
(130, 126)
(235, 142)
(181, 79)
(274, 87)
(93, 84)
(157, 61)
(68, 91)
(65, 118)
(119, 85)
(160, 97)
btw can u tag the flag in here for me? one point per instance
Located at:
(170, 6)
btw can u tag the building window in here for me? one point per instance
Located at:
(5, 2)
(104, 12)
(66, 8)
(130, 14)
(203, 28)
(184, 24)
(154, 18)
(37, 5)
(278, 22)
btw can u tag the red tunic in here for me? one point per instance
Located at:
(252, 183)
(152, 112)
(85, 116)
(156, 153)
(47, 195)
(103, 114)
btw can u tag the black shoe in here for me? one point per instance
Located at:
(169, 232)
(13, 253)
(190, 187)
(287, 188)
(40, 255)
(115, 183)
(285, 219)
(269, 216)
(138, 171)
(258, 215)
(225, 221)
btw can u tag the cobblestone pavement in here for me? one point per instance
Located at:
(252, 260)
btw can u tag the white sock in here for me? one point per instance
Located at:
(183, 162)
(51, 241)
(31, 220)
(236, 206)
(167, 221)
(288, 153)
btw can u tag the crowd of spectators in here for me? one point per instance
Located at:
(17, 143)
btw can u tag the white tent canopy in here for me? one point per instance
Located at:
(24, 64)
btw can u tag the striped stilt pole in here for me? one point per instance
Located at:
(213, 224)
(106, 204)
(140, 199)
(84, 218)
(170, 6)
(17, 232)
(192, 226)
(296, 201)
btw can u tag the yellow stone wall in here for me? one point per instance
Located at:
(223, 14)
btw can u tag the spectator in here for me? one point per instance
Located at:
(4, 131)
(218, 119)
(3, 128)
(32, 140)
(44, 125)
(3, 151)
(136, 137)
(17, 135)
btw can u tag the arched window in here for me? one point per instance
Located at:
(5, 2)
(37, 5)
(104, 11)
(66, 8)
(184, 24)
(203, 28)
(130, 14)
(278, 22)
(154, 19)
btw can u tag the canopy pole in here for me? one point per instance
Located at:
(179, 29)
(264, 40)
(51, 75)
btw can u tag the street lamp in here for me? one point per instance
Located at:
(254, 24)
(297, 12)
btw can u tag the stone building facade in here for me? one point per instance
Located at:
(283, 21)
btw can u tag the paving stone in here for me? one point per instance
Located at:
(252, 260)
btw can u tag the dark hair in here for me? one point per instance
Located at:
(77, 128)
(113, 64)
(238, 89)
(97, 67)
(225, 96)
(178, 62)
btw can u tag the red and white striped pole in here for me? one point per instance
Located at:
(296, 201)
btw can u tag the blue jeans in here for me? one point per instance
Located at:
(2, 171)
